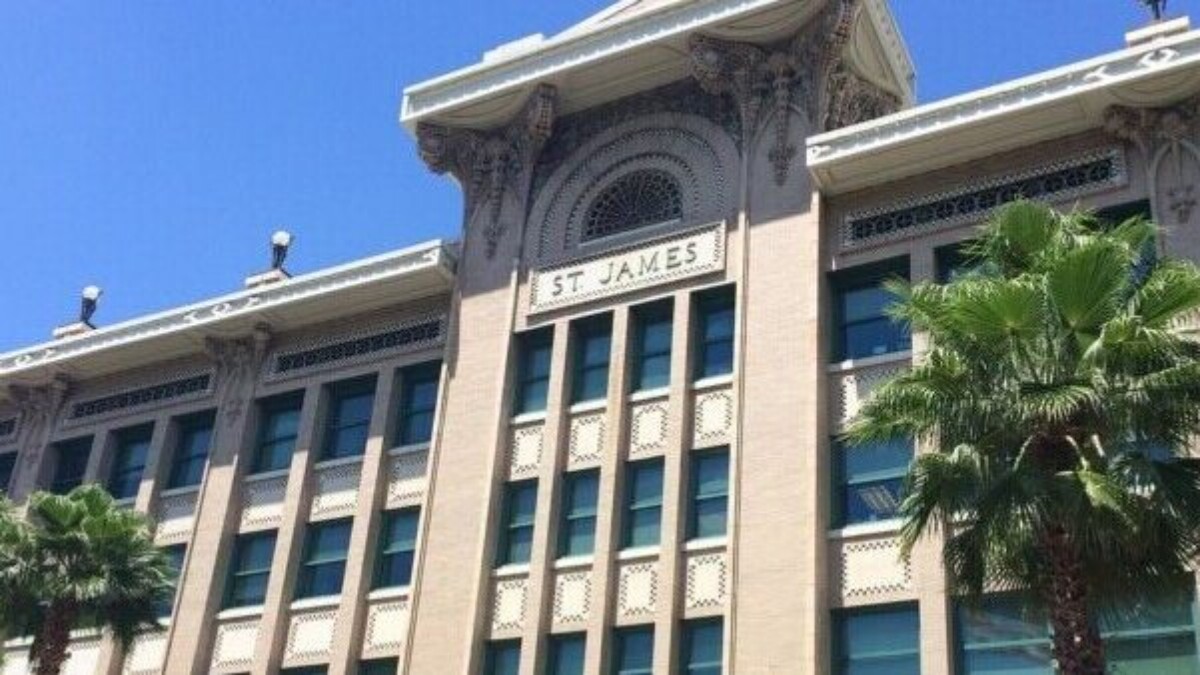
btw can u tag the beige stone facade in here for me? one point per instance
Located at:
(655, 157)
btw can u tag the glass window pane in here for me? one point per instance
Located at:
(578, 513)
(643, 503)
(516, 535)
(379, 667)
(870, 479)
(635, 651)
(324, 559)
(710, 487)
(503, 658)
(7, 463)
(871, 302)
(654, 372)
(710, 518)
(277, 437)
(646, 482)
(397, 545)
(703, 649)
(566, 654)
(175, 556)
(191, 453)
(878, 641)
(71, 458)
(251, 565)
(644, 528)
(129, 463)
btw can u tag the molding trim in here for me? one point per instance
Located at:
(427, 256)
(1105, 169)
(940, 118)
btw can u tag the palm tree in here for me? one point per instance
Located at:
(1057, 402)
(78, 561)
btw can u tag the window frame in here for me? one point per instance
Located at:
(334, 425)
(236, 575)
(842, 659)
(528, 370)
(79, 448)
(621, 648)
(646, 317)
(695, 498)
(412, 377)
(383, 554)
(311, 566)
(690, 628)
(179, 562)
(492, 650)
(842, 485)
(554, 662)
(126, 440)
(630, 508)
(706, 305)
(508, 527)
(268, 409)
(185, 427)
(584, 332)
(571, 514)
(8, 468)
(861, 278)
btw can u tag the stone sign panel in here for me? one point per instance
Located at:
(693, 253)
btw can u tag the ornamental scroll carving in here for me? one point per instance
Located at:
(1164, 136)
(238, 361)
(490, 164)
(808, 70)
(39, 406)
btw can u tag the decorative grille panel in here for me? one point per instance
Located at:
(406, 478)
(637, 590)
(187, 387)
(638, 199)
(871, 571)
(707, 581)
(387, 627)
(587, 440)
(525, 451)
(336, 491)
(852, 389)
(1054, 182)
(648, 429)
(262, 503)
(423, 333)
(176, 516)
(509, 599)
(233, 648)
(310, 637)
(572, 597)
(713, 424)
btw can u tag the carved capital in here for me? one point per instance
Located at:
(488, 164)
(809, 68)
(238, 361)
(39, 406)
(1149, 128)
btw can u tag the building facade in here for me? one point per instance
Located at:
(598, 433)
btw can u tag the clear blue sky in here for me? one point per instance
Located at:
(152, 147)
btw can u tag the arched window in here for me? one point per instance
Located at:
(639, 199)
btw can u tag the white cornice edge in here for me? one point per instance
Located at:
(1030, 92)
(899, 57)
(565, 51)
(434, 255)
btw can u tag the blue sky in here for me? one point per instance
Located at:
(152, 147)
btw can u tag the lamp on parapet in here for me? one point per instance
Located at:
(1157, 8)
(89, 301)
(281, 241)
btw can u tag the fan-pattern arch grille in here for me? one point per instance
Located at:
(639, 199)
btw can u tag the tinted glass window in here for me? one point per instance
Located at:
(643, 503)
(349, 419)
(129, 462)
(652, 365)
(191, 451)
(578, 535)
(635, 651)
(592, 348)
(714, 329)
(418, 403)
(397, 548)
(277, 433)
(324, 563)
(70, 465)
(878, 641)
(250, 569)
(503, 658)
(869, 478)
(863, 327)
(8, 463)
(533, 372)
(702, 647)
(516, 537)
(566, 654)
(710, 494)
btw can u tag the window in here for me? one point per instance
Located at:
(593, 344)
(652, 358)
(250, 569)
(578, 534)
(533, 371)
(635, 651)
(502, 658)
(516, 535)
(869, 479)
(175, 554)
(306, 670)
(379, 667)
(397, 546)
(418, 402)
(70, 464)
(349, 419)
(324, 562)
(277, 432)
(191, 450)
(877, 640)
(714, 333)
(862, 326)
(703, 649)
(638, 199)
(125, 476)
(955, 262)
(8, 463)
(643, 503)
(1000, 636)
(710, 494)
(566, 654)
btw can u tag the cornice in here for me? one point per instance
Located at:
(576, 49)
(987, 105)
(431, 256)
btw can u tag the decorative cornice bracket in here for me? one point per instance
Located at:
(1153, 129)
(488, 164)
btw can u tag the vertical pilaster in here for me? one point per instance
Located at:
(604, 568)
(364, 536)
(670, 556)
(40, 410)
(289, 539)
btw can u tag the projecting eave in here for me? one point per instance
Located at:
(373, 283)
(635, 46)
(1019, 113)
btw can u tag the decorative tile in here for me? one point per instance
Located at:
(586, 445)
(525, 451)
(233, 648)
(509, 597)
(335, 494)
(387, 627)
(84, 658)
(707, 580)
(648, 429)
(146, 654)
(713, 422)
(572, 597)
(176, 517)
(310, 636)
(853, 388)
(262, 503)
(407, 478)
(872, 567)
(637, 589)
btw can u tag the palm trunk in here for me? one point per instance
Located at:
(50, 648)
(1078, 648)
